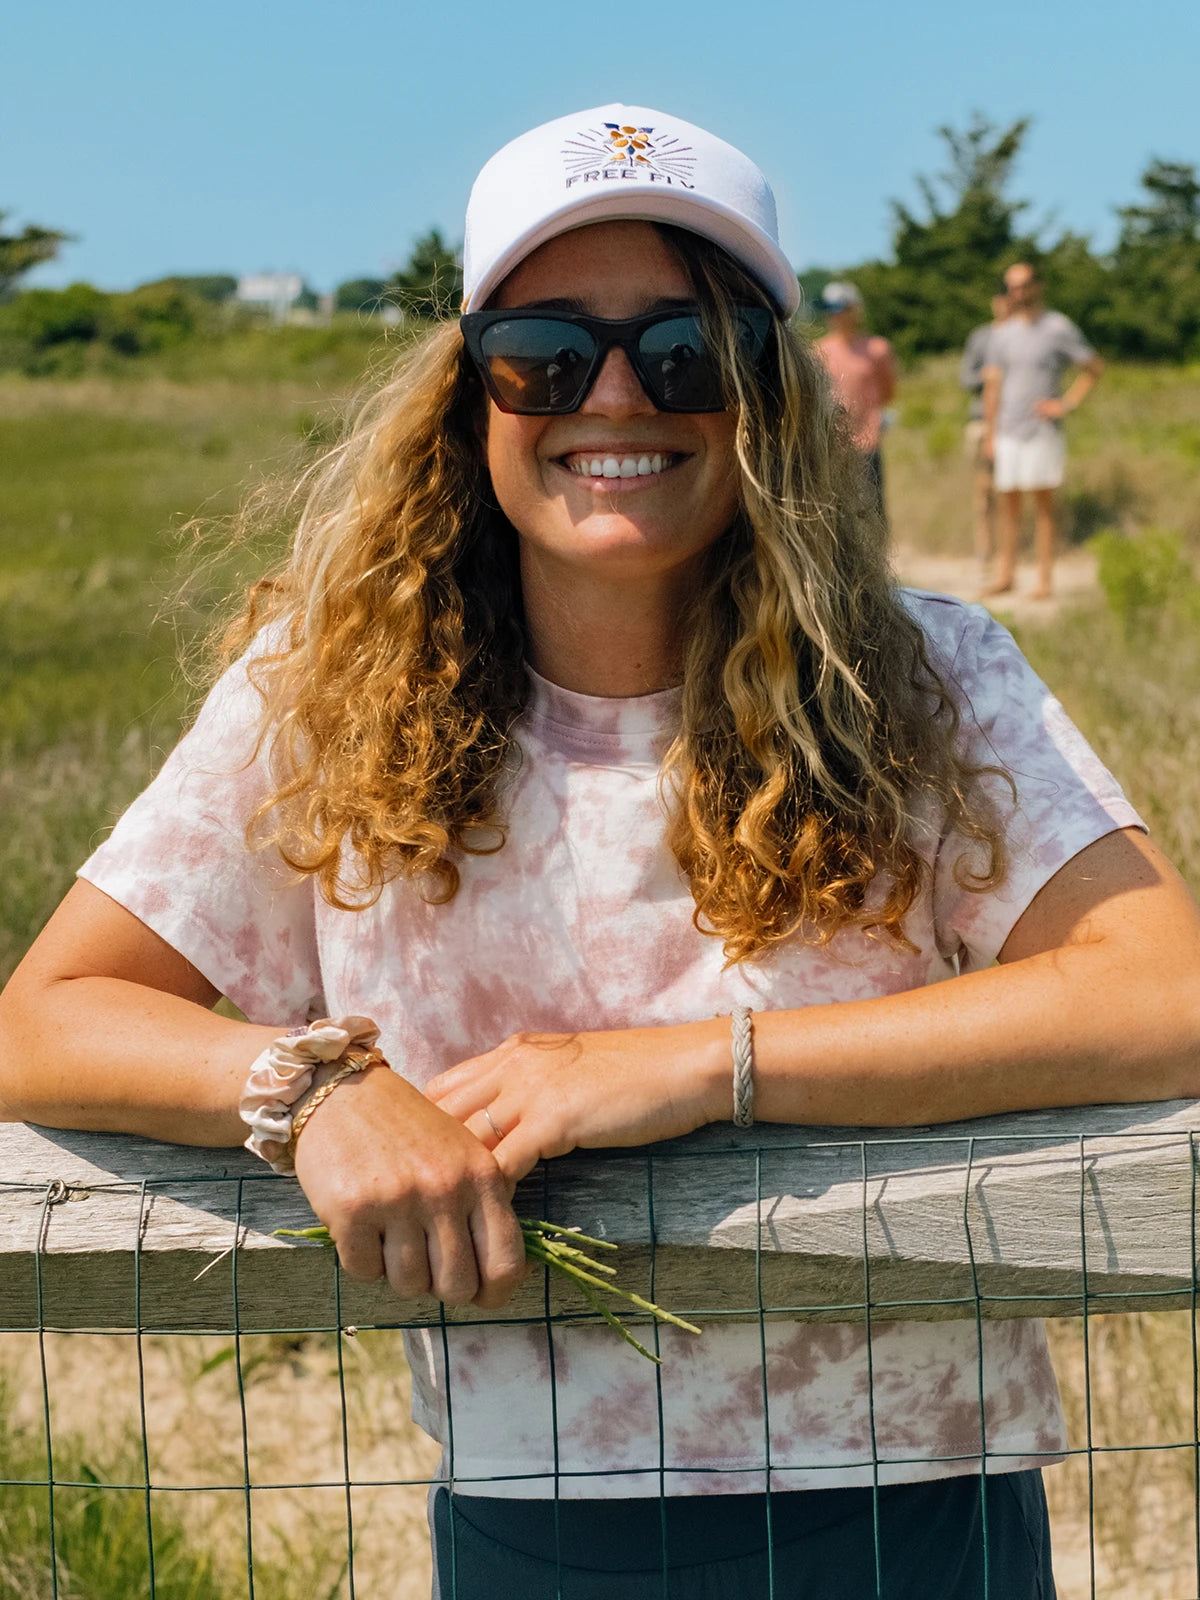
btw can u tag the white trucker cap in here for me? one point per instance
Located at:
(840, 297)
(620, 163)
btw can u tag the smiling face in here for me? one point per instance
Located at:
(618, 488)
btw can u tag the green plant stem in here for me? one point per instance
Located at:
(546, 1243)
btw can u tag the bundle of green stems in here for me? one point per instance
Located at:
(558, 1249)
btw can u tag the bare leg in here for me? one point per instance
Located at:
(984, 507)
(1008, 537)
(1045, 541)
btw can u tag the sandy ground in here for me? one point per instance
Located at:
(1074, 580)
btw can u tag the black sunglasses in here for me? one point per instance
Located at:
(544, 363)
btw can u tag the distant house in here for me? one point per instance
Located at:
(276, 292)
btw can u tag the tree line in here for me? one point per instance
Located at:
(58, 330)
(1139, 301)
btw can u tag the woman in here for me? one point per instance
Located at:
(582, 713)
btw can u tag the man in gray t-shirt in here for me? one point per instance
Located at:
(1023, 412)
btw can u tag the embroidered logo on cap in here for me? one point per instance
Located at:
(621, 150)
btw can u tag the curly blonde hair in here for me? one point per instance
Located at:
(815, 733)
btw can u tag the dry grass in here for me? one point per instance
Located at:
(1141, 1476)
(293, 1455)
(1134, 457)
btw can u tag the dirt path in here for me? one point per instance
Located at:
(1074, 579)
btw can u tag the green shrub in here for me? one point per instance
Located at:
(917, 413)
(943, 438)
(153, 317)
(1144, 576)
(360, 294)
(51, 330)
(45, 317)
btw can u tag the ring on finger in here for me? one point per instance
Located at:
(488, 1117)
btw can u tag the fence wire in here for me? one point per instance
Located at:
(58, 1526)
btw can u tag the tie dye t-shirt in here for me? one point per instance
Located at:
(584, 921)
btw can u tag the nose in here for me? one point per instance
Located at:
(617, 391)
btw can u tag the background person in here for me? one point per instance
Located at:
(863, 374)
(970, 377)
(583, 710)
(1023, 412)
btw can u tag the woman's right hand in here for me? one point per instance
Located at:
(409, 1194)
(105, 1026)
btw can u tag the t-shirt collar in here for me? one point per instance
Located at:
(642, 720)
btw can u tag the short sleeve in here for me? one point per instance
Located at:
(1066, 798)
(974, 359)
(1074, 347)
(179, 861)
(995, 353)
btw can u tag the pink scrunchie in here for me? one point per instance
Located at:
(281, 1075)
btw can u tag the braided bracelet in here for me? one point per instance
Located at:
(743, 1067)
(354, 1061)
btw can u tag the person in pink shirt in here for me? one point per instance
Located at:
(863, 373)
(581, 778)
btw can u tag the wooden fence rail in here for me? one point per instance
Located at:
(1035, 1214)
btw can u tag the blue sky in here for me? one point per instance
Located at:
(321, 138)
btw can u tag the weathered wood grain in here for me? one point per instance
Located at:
(1016, 1216)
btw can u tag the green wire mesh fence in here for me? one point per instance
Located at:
(192, 1408)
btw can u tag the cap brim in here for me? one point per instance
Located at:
(747, 243)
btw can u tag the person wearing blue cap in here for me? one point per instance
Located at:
(579, 778)
(863, 374)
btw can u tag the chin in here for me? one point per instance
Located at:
(632, 559)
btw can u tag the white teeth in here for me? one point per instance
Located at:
(618, 467)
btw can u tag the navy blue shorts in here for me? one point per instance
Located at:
(822, 1545)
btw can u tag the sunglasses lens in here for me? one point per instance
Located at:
(683, 374)
(680, 372)
(537, 363)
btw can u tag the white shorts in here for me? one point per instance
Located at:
(1036, 463)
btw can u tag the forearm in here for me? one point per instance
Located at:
(1079, 390)
(1096, 998)
(1062, 1028)
(991, 401)
(108, 1054)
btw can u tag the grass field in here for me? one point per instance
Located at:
(101, 594)
(1134, 453)
(99, 597)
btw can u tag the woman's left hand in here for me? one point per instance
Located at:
(542, 1094)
